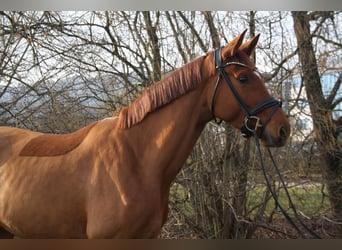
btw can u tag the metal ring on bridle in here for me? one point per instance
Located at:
(257, 125)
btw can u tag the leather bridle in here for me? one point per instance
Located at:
(249, 129)
(252, 122)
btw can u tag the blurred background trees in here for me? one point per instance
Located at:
(62, 70)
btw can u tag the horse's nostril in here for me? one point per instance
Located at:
(282, 132)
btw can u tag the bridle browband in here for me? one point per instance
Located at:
(250, 115)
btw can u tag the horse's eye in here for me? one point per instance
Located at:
(243, 79)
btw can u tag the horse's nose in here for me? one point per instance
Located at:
(283, 133)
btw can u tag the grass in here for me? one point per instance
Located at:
(309, 201)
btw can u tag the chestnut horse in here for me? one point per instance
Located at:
(112, 178)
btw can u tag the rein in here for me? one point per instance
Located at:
(275, 197)
(249, 130)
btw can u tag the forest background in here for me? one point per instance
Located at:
(62, 70)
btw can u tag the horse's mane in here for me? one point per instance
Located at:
(174, 85)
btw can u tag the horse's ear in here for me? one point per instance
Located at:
(249, 46)
(230, 50)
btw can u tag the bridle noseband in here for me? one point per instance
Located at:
(252, 122)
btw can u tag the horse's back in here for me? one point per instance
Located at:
(12, 140)
(55, 145)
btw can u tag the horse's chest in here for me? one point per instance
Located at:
(145, 219)
(137, 218)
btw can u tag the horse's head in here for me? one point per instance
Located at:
(239, 95)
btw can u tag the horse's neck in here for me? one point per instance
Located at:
(167, 136)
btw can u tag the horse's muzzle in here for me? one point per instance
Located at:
(277, 139)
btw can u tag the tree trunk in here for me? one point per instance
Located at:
(154, 41)
(321, 110)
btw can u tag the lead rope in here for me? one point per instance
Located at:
(274, 195)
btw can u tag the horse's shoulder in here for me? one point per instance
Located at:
(55, 144)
